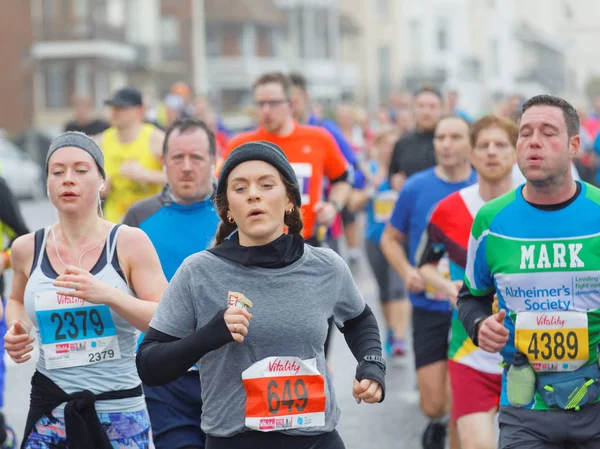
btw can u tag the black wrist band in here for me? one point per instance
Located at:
(378, 360)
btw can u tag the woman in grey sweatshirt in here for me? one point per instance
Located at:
(252, 312)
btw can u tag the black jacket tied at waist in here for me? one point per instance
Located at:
(83, 428)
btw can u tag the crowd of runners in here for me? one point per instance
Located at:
(188, 292)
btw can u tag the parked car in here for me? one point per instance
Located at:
(24, 176)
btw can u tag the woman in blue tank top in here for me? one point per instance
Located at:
(83, 289)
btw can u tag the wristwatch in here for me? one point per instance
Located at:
(379, 361)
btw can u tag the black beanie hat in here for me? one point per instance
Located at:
(260, 151)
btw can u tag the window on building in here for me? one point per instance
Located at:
(49, 8)
(81, 22)
(169, 28)
(299, 17)
(116, 13)
(414, 41)
(56, 88)
(470, 69)
(214, 40)
(385, 67)
(99, 10)
(442, 34)
(383, 9)
(495, 57)
(264, 42)
(81, 8)
(233, 99)
(322, 42)
(278, 40)
(232, 40)
(83, 78)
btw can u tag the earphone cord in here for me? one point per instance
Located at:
(60, 258)
(101, 213)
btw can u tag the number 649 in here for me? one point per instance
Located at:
(298, 399)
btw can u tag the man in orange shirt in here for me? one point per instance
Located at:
(312, 151)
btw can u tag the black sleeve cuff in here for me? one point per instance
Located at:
(473, 309)
(362, 336)
(372, 371)
(162, 358)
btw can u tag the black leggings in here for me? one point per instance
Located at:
(276, 440)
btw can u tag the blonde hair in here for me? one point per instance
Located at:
(495, 121)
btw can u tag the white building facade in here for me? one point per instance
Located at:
(484, 49)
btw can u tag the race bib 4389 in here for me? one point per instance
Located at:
(73, 332)
(284, 393)
(553, 341)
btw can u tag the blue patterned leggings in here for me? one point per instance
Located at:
(125, 431)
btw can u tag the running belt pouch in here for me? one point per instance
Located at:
(570, 390)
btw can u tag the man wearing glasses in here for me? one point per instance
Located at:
(312, 151)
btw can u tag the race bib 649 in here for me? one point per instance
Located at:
(284, 393)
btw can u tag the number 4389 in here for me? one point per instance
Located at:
(555, 347)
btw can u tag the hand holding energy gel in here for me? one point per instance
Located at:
(239, 300)
(237, 316)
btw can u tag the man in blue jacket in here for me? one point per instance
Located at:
(180, 221)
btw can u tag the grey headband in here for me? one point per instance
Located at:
(81, 141)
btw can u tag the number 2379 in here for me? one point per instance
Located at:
(101, 355)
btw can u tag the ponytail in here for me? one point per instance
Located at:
(294, 222)
(224, 231)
